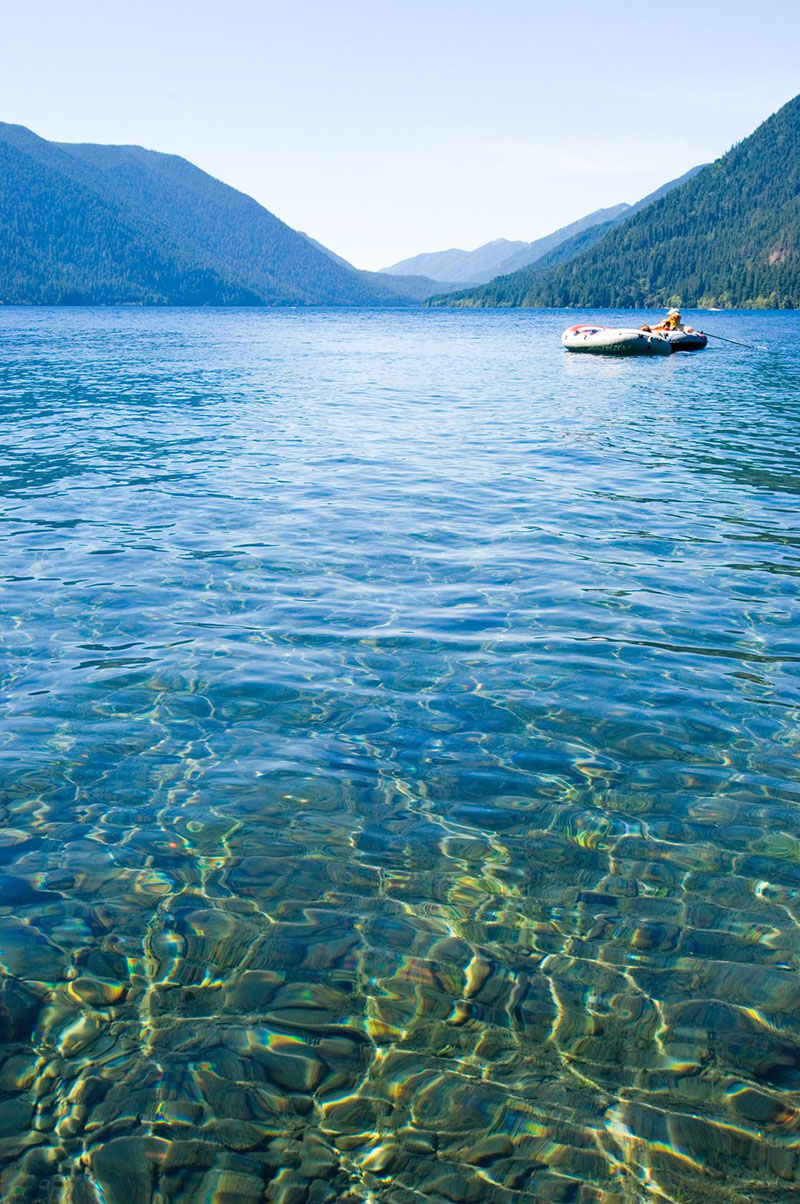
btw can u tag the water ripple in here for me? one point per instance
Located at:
(398, 762)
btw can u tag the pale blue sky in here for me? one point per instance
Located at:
(385, 129)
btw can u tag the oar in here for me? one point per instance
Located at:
(749, 346)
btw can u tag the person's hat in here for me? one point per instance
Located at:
(674, 311)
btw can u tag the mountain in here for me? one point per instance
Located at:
(416, 288)
(501, 257)
(87, 224)
(556, 248)
(728, 237)
(512, 288)
(534, 251)
(327, 251)
(407, 288)
(670, 186)
(497, 257)
(468, 267)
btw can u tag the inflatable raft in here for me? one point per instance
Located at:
(607, 340)
(685, 340)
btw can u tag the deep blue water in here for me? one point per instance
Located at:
(398, 760)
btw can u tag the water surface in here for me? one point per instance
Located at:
(398, 761)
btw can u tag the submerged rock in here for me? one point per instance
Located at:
(19, 1010)
(27, 953)
(236, 1134)
(15, 1116)
(125, 1168)
(17, 892)
(224, 1186)
(96, 991)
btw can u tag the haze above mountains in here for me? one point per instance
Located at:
(90, 224)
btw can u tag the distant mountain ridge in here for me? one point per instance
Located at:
(496, 257)
(410, 287)
(501, 257)
(468, 267)
(89, 224)
(728, 237)
(533, 251)
(562, 251)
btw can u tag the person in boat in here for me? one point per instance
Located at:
(671, 322)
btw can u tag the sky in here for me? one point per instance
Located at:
(388, 128)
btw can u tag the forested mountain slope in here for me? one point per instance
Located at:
(63, 241)
(124, 225)
(729, 237)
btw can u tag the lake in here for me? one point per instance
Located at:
(399, 760)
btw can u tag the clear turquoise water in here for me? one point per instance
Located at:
(399, 761)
